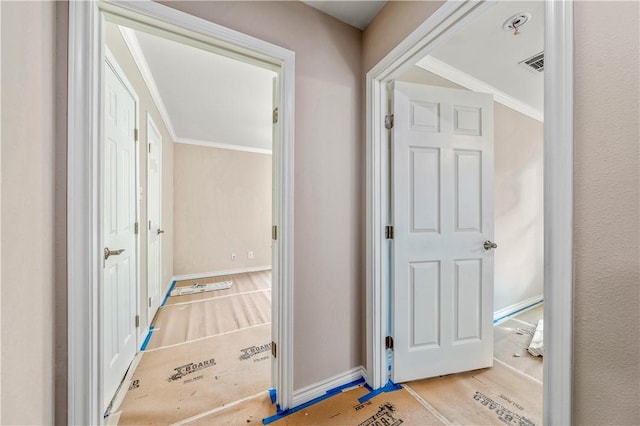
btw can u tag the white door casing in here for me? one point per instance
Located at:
(119, 294)
(442, 142)
(85, 181)
(275, 202)
(154, 217)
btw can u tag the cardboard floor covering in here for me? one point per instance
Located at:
(386, 409)
(176, 383)
(511, 338)
(242, 283)
(497, 395)
(175, 324)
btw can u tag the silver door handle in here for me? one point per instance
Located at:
(160, 231)
(108, 252)
(488, 245)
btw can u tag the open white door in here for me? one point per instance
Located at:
(443, 215)
(154, 208)
(119, 297)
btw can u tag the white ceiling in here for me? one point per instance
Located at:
(355, 13)
(208, 98)
(484, 51)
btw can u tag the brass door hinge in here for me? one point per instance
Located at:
(274, 349)
(388, 121)
(137, 321)
(275, 115)
(136, 228)
(274, 232)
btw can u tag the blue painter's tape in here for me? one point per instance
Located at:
(517, 312)
(389, 387)
(272, 395)
(280, 414)
(146, 339)
(166, 296)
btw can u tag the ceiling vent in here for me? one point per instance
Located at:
(535, 63)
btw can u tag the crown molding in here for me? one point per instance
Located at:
(450, 73)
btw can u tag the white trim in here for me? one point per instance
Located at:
(221, 273)
(501, 313)
(450, 73)
(84, 183)
(219, 145)
(558, 213)
(132, 43)
(151, 124)
(319, 389)
(83, 215)
(558, 192)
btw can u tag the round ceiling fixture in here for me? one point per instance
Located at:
(516, 22)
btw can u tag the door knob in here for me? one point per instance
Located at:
(108, 252)
(160, 231)
(488, 245)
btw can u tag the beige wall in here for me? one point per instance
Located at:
(120, 51)
(606, 316)
(607, 285)
(518, 170)
(327, 272)
(329, 172)
(222, 206)
(393, 24)
(26, 230)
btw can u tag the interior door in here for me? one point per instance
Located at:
(119, 307)
(154, 208)
(442, 214)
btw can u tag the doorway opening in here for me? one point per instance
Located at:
(422, 181)
(127, 53)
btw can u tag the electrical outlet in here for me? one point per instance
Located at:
(250, 255)
(233, 256)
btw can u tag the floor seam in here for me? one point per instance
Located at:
(207, 337)
(426, 405)
(214, 298)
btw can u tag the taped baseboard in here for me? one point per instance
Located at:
(221, 273)
(319, 389)
(520, 306)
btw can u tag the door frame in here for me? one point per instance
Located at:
(558, 193)
(84, 239)
(151, 123)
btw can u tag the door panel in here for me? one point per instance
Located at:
(442, 212)
(119, 294)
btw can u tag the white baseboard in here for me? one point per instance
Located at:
(517, 306)
(319, 389)
(221, 273)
